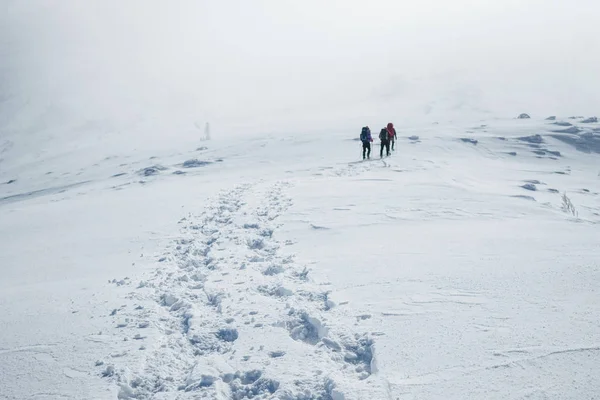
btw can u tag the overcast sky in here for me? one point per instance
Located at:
(283, 64)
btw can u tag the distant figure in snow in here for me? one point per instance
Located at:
(366, 139)
(391, 134)
(385, 142)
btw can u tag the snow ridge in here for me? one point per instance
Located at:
(234, 309)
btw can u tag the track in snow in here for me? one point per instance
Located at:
(234, 309)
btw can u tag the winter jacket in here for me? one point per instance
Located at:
(384, 135)
(369, 137)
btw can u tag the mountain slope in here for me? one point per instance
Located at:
(286, 267)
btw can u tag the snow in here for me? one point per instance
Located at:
(463, 266)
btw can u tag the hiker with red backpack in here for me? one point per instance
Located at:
(391, 134)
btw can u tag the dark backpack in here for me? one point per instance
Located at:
(383, 135)
(364, 134)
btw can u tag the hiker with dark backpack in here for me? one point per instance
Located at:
(385, 142)
(366, 139)
(391, 134)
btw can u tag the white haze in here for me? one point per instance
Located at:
(162, 69)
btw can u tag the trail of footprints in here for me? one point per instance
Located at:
(228, 280)
(354, 168)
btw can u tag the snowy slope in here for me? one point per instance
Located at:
(285, 267)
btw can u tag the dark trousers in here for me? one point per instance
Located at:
(367, 149)
(386, 144)
(393, 141)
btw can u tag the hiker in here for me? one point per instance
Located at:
(385, 142)
(391, 134)
(366, 139)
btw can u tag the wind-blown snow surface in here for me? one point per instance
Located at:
(288, 268)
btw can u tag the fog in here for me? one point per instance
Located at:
(288, 66)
